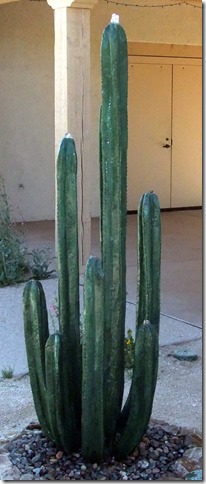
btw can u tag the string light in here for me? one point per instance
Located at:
(153, 6)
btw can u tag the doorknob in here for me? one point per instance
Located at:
(166, 146)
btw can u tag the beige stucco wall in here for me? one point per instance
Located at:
(27, 108)
(26, 94)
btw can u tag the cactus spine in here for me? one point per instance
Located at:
(78, 386)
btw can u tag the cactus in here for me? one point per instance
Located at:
(78, 385)
(113, 130)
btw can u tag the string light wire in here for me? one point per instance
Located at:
(153, 6)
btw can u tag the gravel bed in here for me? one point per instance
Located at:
(39, 459)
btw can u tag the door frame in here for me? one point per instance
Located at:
(146, 49)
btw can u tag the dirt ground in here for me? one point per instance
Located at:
(178, 397)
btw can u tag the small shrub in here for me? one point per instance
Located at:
(12, 251)
(16, 263)
(129, 346)
(7, 373)
(40, 260)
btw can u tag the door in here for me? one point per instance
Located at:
(149, 129)
(165, 133)
(187, 136)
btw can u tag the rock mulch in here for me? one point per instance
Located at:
(165, 453)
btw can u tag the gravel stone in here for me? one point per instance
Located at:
(27, 477)
(144, 475)
(37, 471)
(143, 464)
(184, 354)
(49, 463)
(165, 450)
(194, 475)
(122, 473)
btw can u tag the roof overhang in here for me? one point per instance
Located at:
(12, 1)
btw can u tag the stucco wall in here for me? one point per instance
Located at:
(27, 91)
(27, 108)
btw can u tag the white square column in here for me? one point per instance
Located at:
(72, 99)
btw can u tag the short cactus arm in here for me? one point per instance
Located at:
(149, 258)
(54, 390)
(36, 334)
(93, 360)
(142, 390)
(68, 269)
(113, 133)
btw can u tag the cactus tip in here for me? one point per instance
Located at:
(146, 322)
(115, 18)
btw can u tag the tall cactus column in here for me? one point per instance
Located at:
(68, 270)
(113, 151)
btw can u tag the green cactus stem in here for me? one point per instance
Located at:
(138, 406)
(36, 334)
(68, 271)
(54, 389)
(149, 257)
(113, 152)
(93, 361)
(142, 390)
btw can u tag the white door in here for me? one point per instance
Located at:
(149, 129)
(187, 136)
